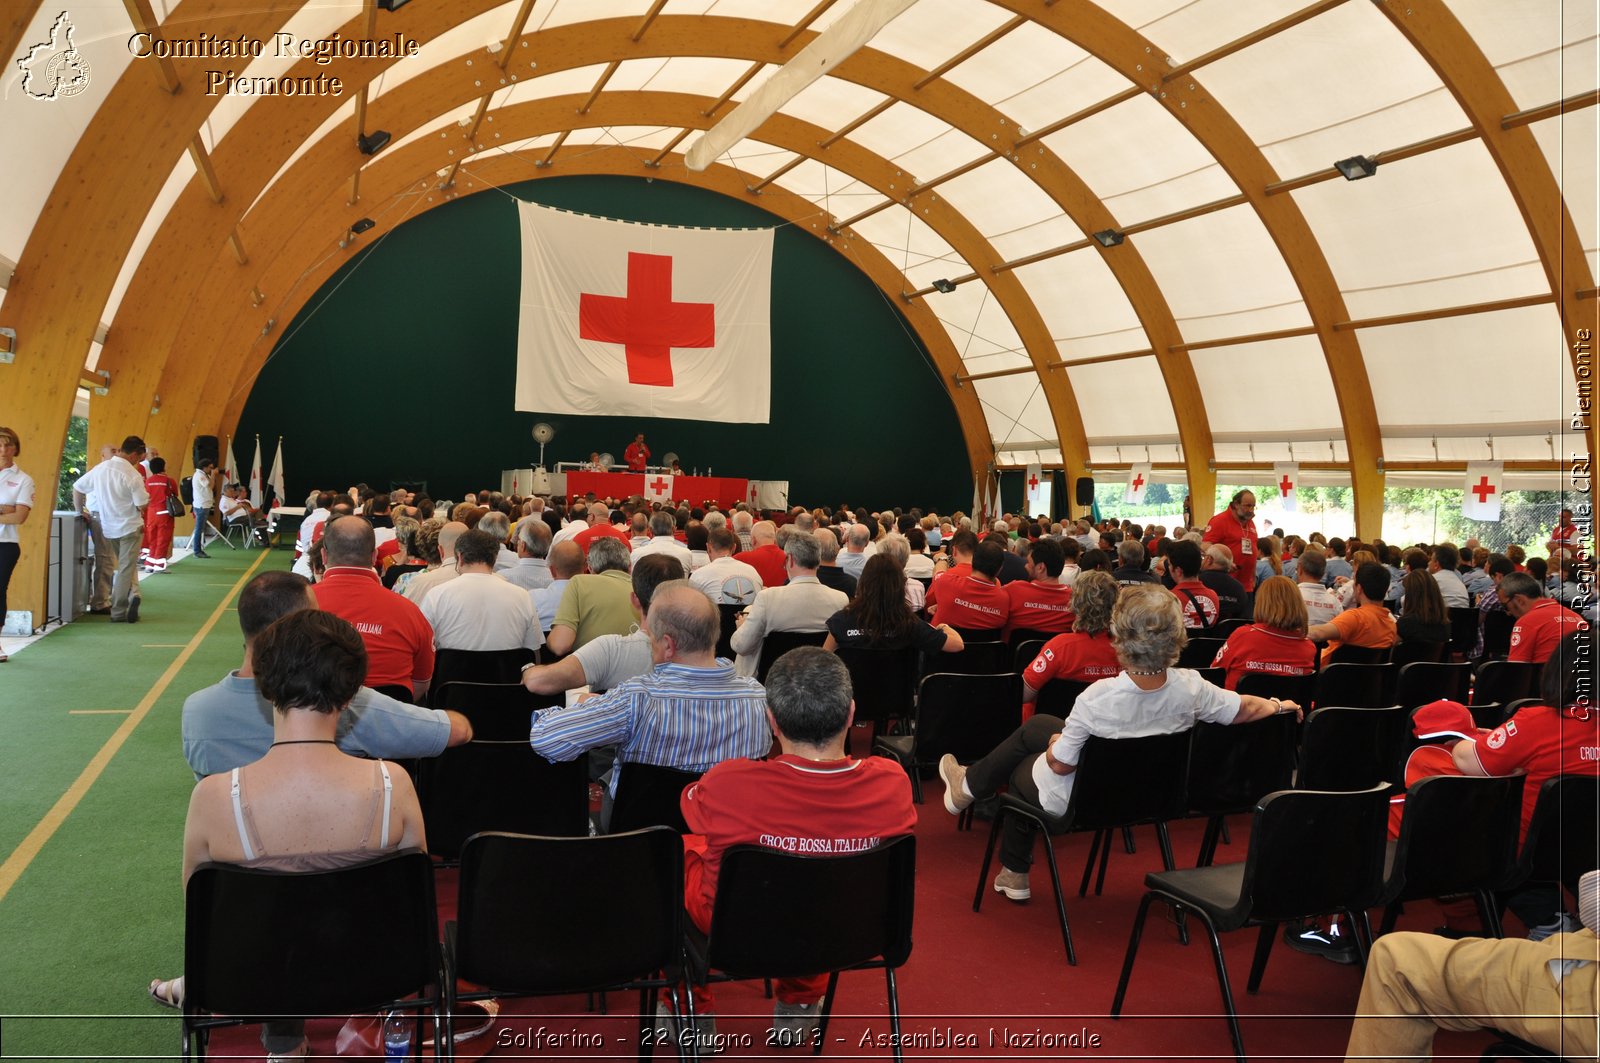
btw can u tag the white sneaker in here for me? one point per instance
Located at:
(1014, 884)
(956, 799)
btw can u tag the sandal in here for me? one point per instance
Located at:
(168, 994)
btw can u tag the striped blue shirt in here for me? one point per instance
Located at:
(673, 716)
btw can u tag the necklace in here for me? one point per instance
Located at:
(306, 742)
(1158, 671)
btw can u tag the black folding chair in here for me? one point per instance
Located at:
(262, 945)
(1463, 630)
(789, 915)
(649, 795)
(778, 643)
(1199, 652)
(525, 926)
(1023, 653)
(884, 683)
(1348, 749)
(1299, 689)
(963, 715)
(1223, 628)
(1057, 697)
(1119, 782)
(730, 624)
(1506, 681)
(1414, 650)
(1458, 835)
(1420, 682)
(1311, 854)
(1348, 654)
(1497, 625)
(1232, 768)
(497, 782)
(1563, 841)
(1358, 686)
(477, 666)
(985, 653)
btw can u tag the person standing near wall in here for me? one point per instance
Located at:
(16, 502)
(158, 518)
(205, 500)
(118, 488)
(637, 455)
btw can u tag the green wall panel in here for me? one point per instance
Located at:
(401, 368)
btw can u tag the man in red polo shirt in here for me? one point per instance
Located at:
(1041, 602)
(1201, 607)
(399, 641)
(637, 455)
(951, 570)
(599, 518)
(1541, 622)
(765, 555)
(1235, 528)
(976, 601)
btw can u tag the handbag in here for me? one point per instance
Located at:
(174, 505)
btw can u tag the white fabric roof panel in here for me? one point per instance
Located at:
(932, 31)
(904, 239)
(999, 197)
(1057, 231)
(1571, 145)
(1507, 447)
(1222, 275)
(1023, 60)
(1267, 388)
(1123, 399)
(829, 102)
(1073, 87)
(312, 22)
(703, 75)
(1189, 29)
(1017, 409)
(903, 129)
(176, 180)
(1509, 366)
(468, 43)
(1082, 303)
(983, 334)
(1543, 51)
(1391, 238)
(567, 12)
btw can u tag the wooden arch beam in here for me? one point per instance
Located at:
(1438, 36)
(1125, 50)
(80, 239)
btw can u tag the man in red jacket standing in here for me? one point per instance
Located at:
(1235, 528)
(637, 455)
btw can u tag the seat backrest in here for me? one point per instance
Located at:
(1022, 635)
(1296, 688)
(1313, 852)
(397, 692)
(778, 643)
(1347, 749)
(1493, 714)
(260, 942)
(1412, 650)
(1023, 653)
(1564, 836)
(884, 682)
(1057, 697)
(1224, 628)
(978, 658)
(392, 574)
(966, 715)
(648, 795)
(971, 635)
(1506, 681)
(1497, 625)
(1199, 652)
(1361, 686)
(1217, 677)
(1231, 768)
(544, 915)
(1459, 834)
(1125, 781)
(729, 626)
(1463, 629)
(1423, 681)
(1347, 654)
(478, 666)
(497, 782)
(780, 914)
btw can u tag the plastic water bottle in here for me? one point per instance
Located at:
(396, 1036)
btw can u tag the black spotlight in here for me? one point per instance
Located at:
(361, 225)
(943, 285)
(373, 142)
(1356, 167)
(1109, 237)
(392, 5)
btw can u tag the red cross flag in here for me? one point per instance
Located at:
(626, 319)
(1480, 500)
(1032, 485)
(658, 487)
(1138, 482)
(1286, 478)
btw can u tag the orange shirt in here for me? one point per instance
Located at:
(1370, 625)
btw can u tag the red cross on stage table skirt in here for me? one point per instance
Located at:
(724, 490)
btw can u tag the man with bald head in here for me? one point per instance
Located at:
(765, 555)
(532, 569)
(566, 561)
(689, 712)
(399, 640)
(423, 582)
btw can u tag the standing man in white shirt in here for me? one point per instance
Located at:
(118, 488)
(105, 558)
(205, 500)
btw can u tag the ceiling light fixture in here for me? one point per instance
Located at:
(1109, 237)
(943, 285)
(373, 142)
(1356, 167)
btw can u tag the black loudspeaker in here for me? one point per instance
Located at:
(206, 449)
(1084, 491)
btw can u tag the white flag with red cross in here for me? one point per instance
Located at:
(1032, 484)
(1286, 478)
(626, 319)
(1480, 500)
(658, 487)
(1138, 482)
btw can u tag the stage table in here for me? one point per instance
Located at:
(724, 490)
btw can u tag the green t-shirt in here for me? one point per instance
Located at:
(597, 605)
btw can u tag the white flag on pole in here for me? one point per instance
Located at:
(1138, 482)
(276, 477)
(1480, 497)
(230, 472)
(1286, 475)
(625, 319)
(980, 499)
(658, 487)
(1034, 481)
(255, 476)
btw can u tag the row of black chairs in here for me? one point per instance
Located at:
(264, 944)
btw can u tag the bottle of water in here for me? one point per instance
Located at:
(396, 1036)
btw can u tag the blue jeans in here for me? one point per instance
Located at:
(198, 539)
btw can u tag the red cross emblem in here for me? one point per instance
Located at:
(1138, 482)
(1285, 485)
(647, 322)
(659, 487)
(1033, 483)
(1483, 489)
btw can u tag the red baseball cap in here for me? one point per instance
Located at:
(1443, 719)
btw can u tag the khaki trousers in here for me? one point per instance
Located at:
(1417, 984)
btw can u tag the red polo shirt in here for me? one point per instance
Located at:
(974, 602)
(1541, 629)
(399, 641)
(1259, 648)
(1241, 539)
(1039, 606)
(586, 538)
(948, 578)
(768, 560)
(1196, 598)
(1077, 656)
(1543, 742)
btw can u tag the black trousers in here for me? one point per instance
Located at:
(1011, 762)
(10, 554)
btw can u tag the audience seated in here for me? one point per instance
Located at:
(1423, 616)
(976, 601)
(1322, 605)
(478, 611)
(802, 604)
(604, 662)
(1085, 654)
(880, 618)
(398, 637)
(1276, 643)
(1043, 601)
(724, 578)
(1201, 609)
(1369, 625)
(423, 582)
(532, 569)
(764, 554)
(1541, 622)
(595, 603)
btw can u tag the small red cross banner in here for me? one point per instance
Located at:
(1035, 499)
(1138, 481)
(658, 486)
(1286, 478)
(1481, 492)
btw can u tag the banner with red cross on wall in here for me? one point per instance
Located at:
(626, 319)
(657, 487)
(1138, 484)
(1480, 499)
(1286, 478)
(1032, 487)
